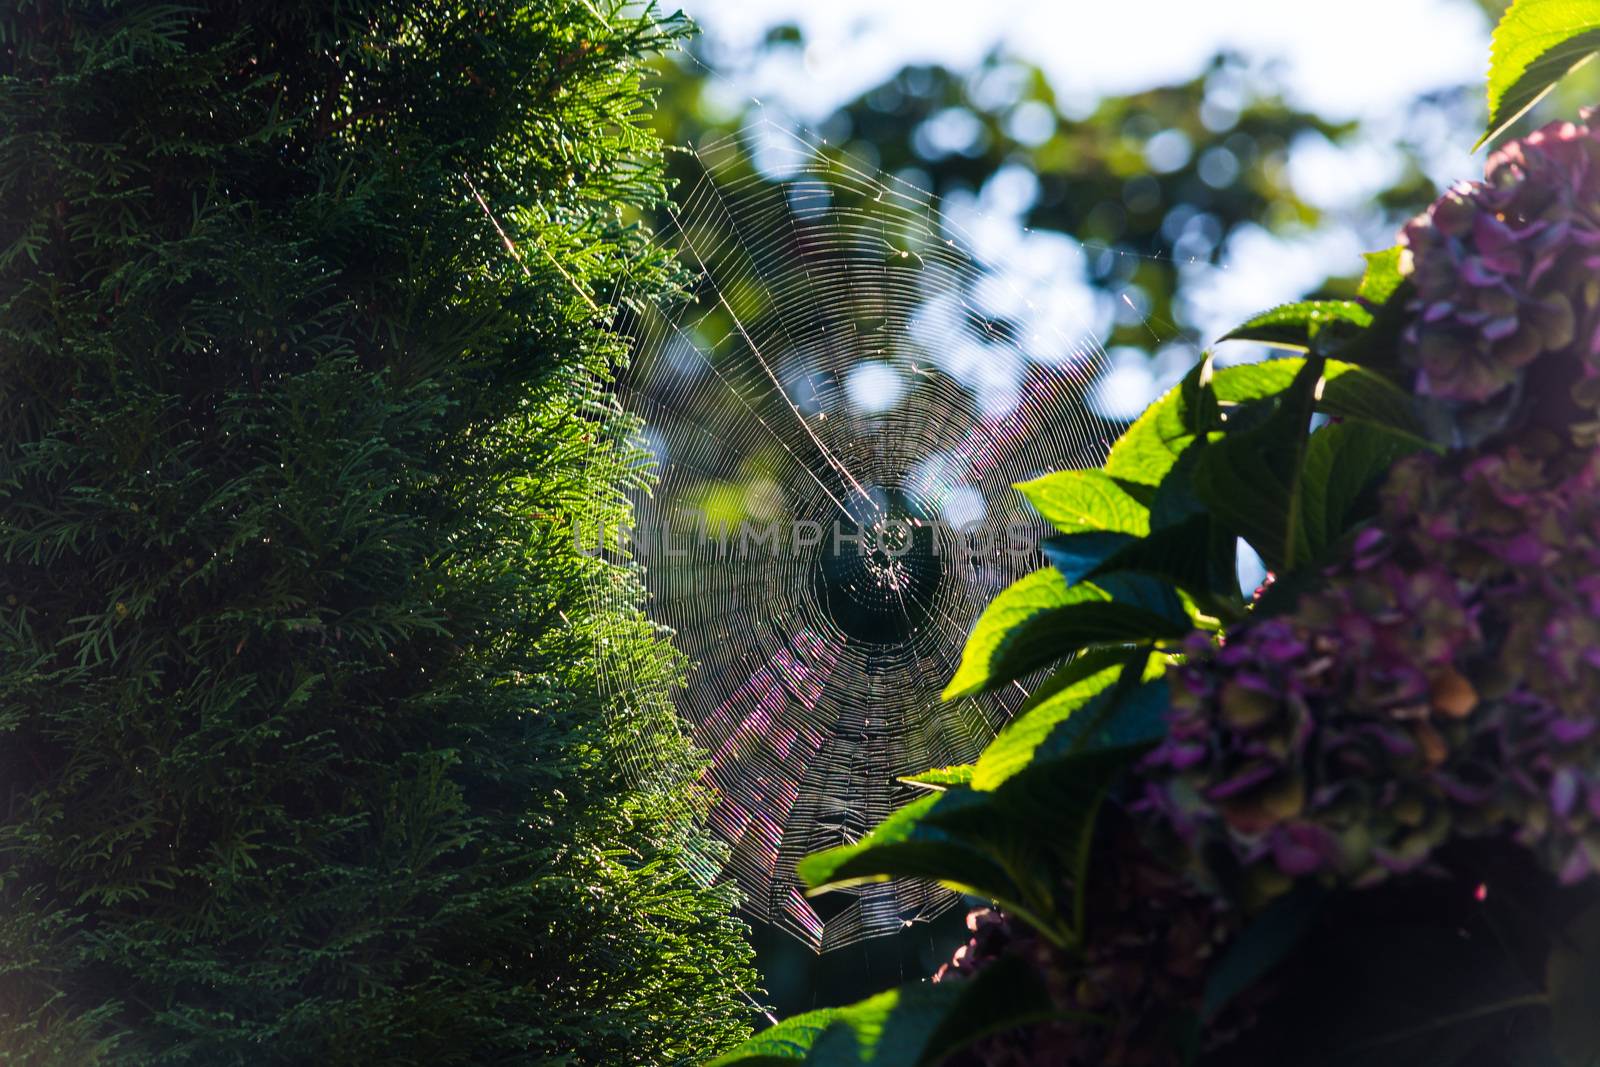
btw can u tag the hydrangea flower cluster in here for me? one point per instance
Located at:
(1311, 744)
(1520, 527)
(1507, 270)
(1446, 680)
(1443, 682)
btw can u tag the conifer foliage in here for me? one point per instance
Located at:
(304, 756)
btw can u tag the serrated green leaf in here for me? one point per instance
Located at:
(1349, 391)
(1251, 479)
(1082, 500)
(941, 777)
(1013, 844)
(1147, 450)
(790, 1041)
(888, 1034)
(913, 843)
(1535, 45)
(1076, 554)
(887, 1030)
(1041, 618)
(1199, 396)
(1050, 728)
(1343, 461)
(1146, 593)
(1295, 325)
(1013, 747)
(1144, 454)
(1174, 501)
(1074, 670)
(1382, 275)
(1353, 392)
(1188, 554)
(1056, 797)
(982, 844)
(1130, 715)
(919, 1024)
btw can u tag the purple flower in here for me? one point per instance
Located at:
(1502, 272)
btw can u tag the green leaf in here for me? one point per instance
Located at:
(1536, 44)
(1353, 392)
(919, 1024)
(914, 843)
(1174, 502)
(1074, 670)
(1076, 714)
(982, 844)
(1349, 391)
(941, 777)
(1382, 277)
(1186, 547)
(887, 1030)
(1056, 798)
(1149, 448)
(1076, 554)
(1343, 463)
(1199, 396)
(1572, 975)
(1041, 618)
(1083, 500)
(1130, 715)
(1295, 325)
(1255, 381)
(1149, 594)
(1189, 554)
(1013, 844)
(1074, 686)
(1008, 993)
(891, 1033)
(791, 1041)
(1103, 699)
(1251, 479)
(1257, 469)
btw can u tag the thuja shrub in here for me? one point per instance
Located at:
(304, 756)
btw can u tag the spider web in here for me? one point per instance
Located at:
(840, 365)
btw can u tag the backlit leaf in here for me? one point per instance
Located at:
(1535, 45)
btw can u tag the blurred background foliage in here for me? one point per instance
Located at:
(1186, 206)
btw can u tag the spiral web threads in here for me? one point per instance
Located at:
(835, 369)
